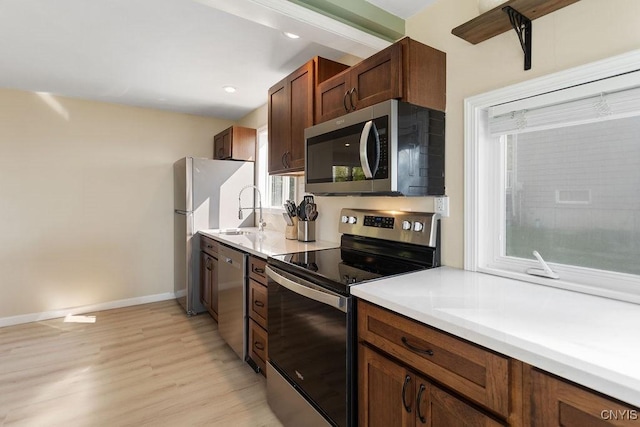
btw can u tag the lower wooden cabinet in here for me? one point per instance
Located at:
(209, 275)
(209, 284)
(392, 395)
(556, 402)
(257, 309)
(258, 343)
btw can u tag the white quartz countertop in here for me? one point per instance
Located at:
(590, 340)
(266, 243)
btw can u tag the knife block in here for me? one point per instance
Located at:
(291, 231)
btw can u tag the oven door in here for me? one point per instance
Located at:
(311, 339)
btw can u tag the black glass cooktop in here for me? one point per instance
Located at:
(340, 268)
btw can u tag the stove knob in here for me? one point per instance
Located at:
(406, 225)
(418, 226)
(344, 219)
(352, 220)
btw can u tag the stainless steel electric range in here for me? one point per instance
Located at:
(311, 372)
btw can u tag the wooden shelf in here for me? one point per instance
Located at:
(495, 21)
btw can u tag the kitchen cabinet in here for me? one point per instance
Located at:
(235, 143)
(291, 110)
(209, 275)
(556, 402)
(257, 309)
(392, 395)
(407, 70)
(447, 376)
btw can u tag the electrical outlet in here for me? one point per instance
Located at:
(441, 205)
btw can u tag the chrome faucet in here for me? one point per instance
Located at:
(261, 222)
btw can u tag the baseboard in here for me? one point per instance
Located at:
(46, 315)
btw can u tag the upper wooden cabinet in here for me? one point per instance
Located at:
(291, 110)
(407, 70)
(235, 143)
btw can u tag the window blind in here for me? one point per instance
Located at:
(613, 98)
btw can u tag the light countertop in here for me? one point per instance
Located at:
(590, 340)
(266, 243)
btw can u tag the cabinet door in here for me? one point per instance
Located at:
(301, 87)
(258, 303)
(213, 286)
(440, 409)
(279, 126)
(385, 393)
(222, 145)
(332, 98)
(555, 402)
(205, 279)
(377, 78)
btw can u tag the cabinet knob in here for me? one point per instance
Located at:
(258, 345)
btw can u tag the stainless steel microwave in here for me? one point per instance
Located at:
(392, 148)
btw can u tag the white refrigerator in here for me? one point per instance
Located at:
(205, 197)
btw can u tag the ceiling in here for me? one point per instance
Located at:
(169, 54)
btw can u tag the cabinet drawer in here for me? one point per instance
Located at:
(476, 373)
(208, 245)
(258, 345)
(258, 303)
(257, 270)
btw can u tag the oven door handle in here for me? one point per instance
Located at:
(301, 287)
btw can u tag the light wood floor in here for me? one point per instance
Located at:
(142, 365)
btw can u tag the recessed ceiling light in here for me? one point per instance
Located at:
(291, 35)
(229, 89)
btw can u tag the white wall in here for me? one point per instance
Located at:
(86, 199)
(583, 32)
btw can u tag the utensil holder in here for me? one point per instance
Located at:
(291, 231)
(306, 231)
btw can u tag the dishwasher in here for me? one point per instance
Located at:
(231, 299)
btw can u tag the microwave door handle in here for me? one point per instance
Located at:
(364, 142)
(329, 299)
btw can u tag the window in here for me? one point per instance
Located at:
(275, 189)
(553, 166)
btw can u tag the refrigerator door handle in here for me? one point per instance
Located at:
(180, 212)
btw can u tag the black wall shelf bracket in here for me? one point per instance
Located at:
(523, 28)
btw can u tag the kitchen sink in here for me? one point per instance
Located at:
(235, 232)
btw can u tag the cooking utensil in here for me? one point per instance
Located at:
(287, 218)
(302, 212)
(290, 207)
(310, 211)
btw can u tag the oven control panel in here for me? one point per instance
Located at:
(408, 227)
(378, 221)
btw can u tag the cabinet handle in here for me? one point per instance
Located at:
(286, 159)
(407, 380)
(351, 92)
(344, 100)
(258, 345)
(258, 270)
(405, 341)
(423, 419)
(228, 260)
(282, 158)
(209, 246)
(258, 303)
